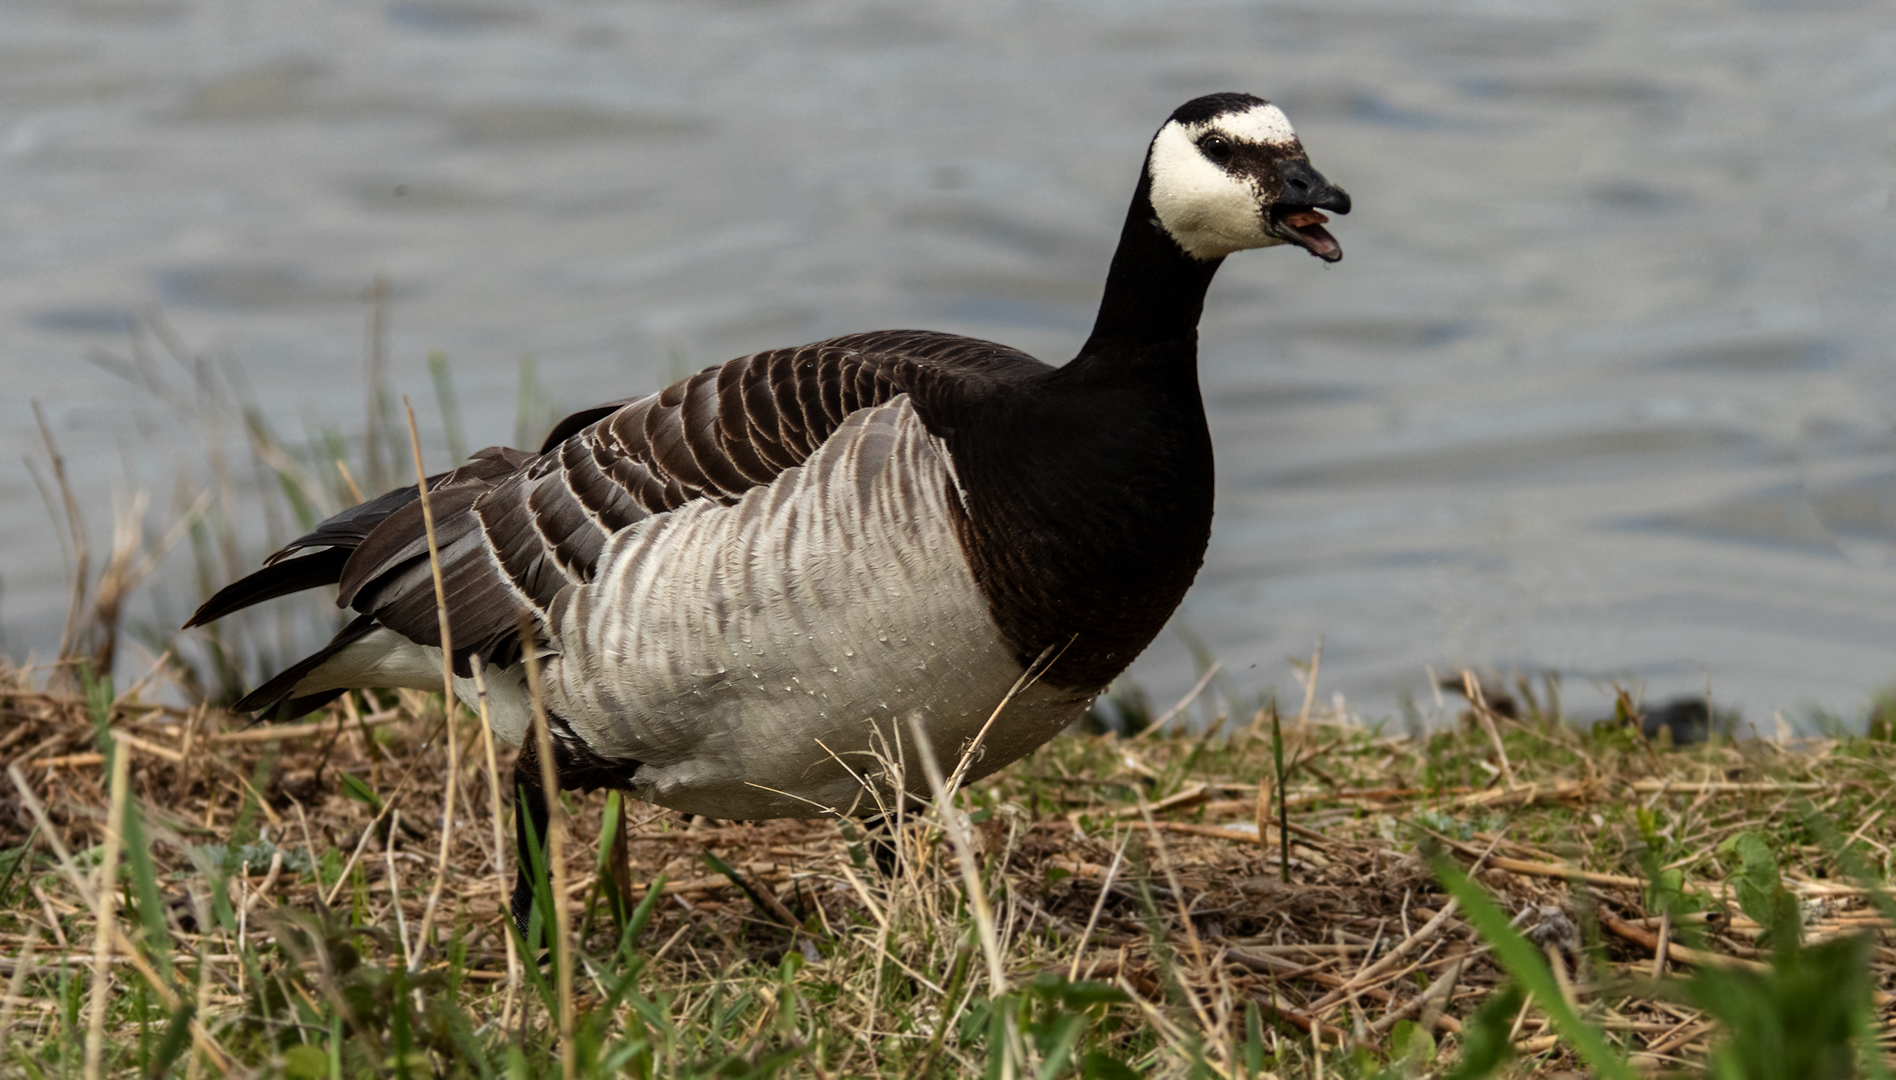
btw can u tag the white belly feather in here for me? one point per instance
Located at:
(745, 654)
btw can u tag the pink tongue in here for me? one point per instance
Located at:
(1321, 242)
(1308, 224)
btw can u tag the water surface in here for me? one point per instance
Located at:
(1603, 385)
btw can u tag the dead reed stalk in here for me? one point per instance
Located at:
(447, 691)
(105, 917)
(555, 841)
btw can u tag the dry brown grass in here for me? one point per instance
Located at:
(1136, 863)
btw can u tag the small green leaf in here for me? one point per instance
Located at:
(1253, 1039)
(1103, 1066)
(1648, 824)
(1411, 1042)
(329, 867)
(1798, 1019)
(1665, 889)
(354, 787)
(306, 1062)
(1760, 889)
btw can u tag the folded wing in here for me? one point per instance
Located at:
(513, 529)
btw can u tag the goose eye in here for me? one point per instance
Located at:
(1216, 147)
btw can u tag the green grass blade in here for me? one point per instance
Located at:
(1524, 963)
(99, 696)
(744, 886)
(151, 906)
(21, 854)
(177, 1034)
(1283, 802)
(1485, 1045)
(450, 406)
(1066, 1036)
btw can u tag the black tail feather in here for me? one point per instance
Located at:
(274, 580)
(298, 707)
(339, 537)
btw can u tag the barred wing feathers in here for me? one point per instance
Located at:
(514, 529)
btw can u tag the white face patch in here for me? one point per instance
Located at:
(1259, 124)
(1210, 211)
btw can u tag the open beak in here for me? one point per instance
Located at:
(1295, 216)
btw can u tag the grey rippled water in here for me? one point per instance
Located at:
(1603, 386)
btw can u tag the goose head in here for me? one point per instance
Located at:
(1227, 173)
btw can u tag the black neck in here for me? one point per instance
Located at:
(1154, 291)
(1087, 503)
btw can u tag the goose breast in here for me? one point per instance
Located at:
(758, 658)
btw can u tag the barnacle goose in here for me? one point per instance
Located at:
(739, 585)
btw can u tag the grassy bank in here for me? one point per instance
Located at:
(326, 900)
(1506, 891)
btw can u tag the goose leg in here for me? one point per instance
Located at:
(878, 834)
(575, 768)
(530, 825)
(882, 835)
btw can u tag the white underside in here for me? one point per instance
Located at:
(770, 658)
(384, 658)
